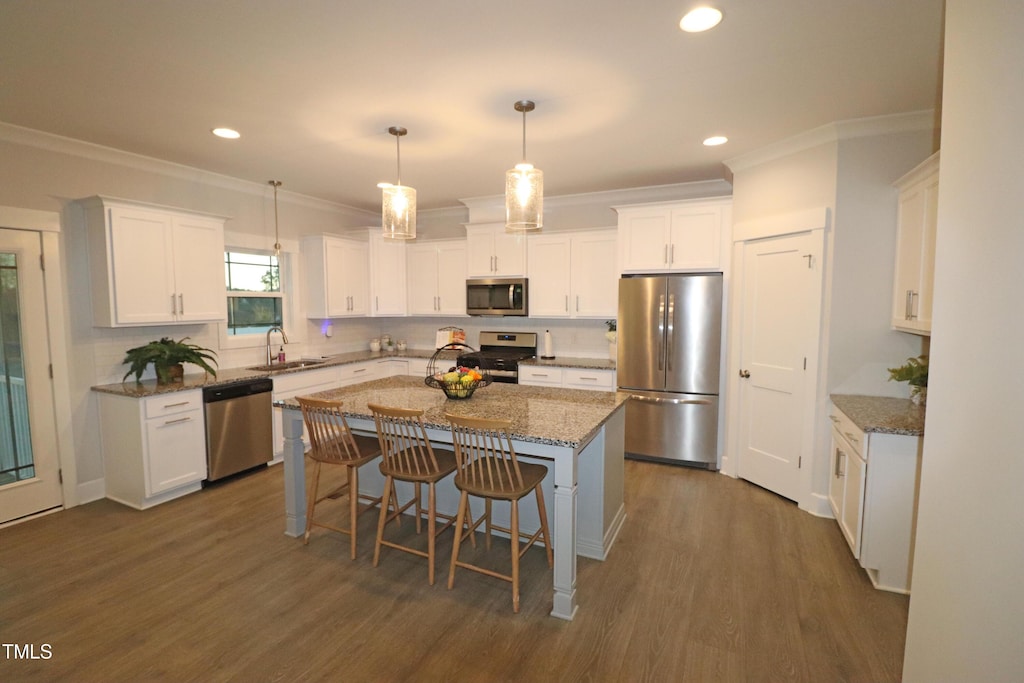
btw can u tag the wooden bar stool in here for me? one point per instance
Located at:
(333, 443)
(408, 456)
(489, 469)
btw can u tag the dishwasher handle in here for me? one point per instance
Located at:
(226, 392)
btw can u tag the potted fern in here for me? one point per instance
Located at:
(915, 373)
(167, 356)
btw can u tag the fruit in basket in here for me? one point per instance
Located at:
(451, 377)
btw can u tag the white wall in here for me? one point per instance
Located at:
(967, 606)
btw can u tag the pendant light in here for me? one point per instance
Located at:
(524, 188)
(398, 212)
(277, 235)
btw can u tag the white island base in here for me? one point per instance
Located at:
(583, 491)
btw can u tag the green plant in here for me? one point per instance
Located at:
(165, 354)
(612, 325)
(914, 373)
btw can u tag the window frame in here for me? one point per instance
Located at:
(287, 295)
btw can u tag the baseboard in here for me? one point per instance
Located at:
(585, 548)
(817, 505)
(91, 490)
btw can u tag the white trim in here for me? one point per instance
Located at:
(91, 490)
(29, 219)
(805, 220)
(88, 150)
(834, 132)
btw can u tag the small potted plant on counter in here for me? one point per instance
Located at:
(612, 335)
(167, 356)
(914, 373)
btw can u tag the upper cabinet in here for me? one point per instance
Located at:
(154, 266)
(492, 252)
(437, 278)
(336, 276)
(573, 275)
(915, 248)
(673, 237)
(387, 275)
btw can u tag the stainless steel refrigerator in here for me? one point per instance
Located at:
(669, 350)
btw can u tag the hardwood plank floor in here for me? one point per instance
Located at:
(711, 579)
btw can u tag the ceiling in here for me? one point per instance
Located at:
(624, 98)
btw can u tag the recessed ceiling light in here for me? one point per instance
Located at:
(700, 19)
(227, 133)
(715, 140)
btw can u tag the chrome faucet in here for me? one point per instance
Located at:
(284, 340)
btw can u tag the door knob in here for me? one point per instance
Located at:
(745, 374)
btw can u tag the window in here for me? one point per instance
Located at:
(255, 300)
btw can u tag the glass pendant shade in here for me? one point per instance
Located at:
(398, 207)
(399, 212)
(524, 198)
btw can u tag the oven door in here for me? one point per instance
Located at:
(497, 296)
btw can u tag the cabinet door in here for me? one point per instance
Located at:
(175, 451)
(594, 276)
(509, 253)
(199, 269)
(480, 252)
(357, 278)
(549, 259)
(915, 251)
(536, 375)
(851, 522)
(422, 274)
(835, 481)
(335, 265)
(643, 239)
(695, 238)
(141, 244)
(451, 278)
(387, 273)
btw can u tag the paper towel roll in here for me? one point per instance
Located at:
(548, 353)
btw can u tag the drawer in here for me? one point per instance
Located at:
(359, 372)
(532, 374)
(172, 403)
(853, 434)
(581, 378)
(288, 384)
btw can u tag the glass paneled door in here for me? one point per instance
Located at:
(29, 475)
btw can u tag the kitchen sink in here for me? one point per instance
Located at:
(287, 365)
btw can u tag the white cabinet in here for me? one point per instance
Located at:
(915, 248)
(573, 275)
(154, 448)
(154, 266)
(336, 276)
(566, 377)
(872, 492)
(292, 384)
(437, 278)
(493, 252)
(673, 237)
(387, 275)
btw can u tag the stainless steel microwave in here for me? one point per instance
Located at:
(496, 296)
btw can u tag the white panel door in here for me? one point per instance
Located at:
(29, 467)
(199, 269)
(595, 278)
(548, 258)
(421, 277)
(451, 277)
(644, 237)
(142, 244)
(781, 281)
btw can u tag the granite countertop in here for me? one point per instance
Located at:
(149, 387)
(570, 362)
(882, 414)
(546, 415)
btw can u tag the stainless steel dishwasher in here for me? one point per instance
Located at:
(239, 426)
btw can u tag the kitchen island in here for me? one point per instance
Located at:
(577, 434)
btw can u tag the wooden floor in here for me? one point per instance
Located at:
(711, 579)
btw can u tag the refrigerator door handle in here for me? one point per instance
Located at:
(670, 343)
(661, 332)
(677, 401)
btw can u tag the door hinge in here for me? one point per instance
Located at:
(799, 461)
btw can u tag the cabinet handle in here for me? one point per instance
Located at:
(174, 305)
(376, 303)
(180, 419)
(672, 254)
(906, 306)
(566, 303)
(577, 303)
(356, 372)
(839, 463)
(175, 405)
(181, 304)
(664, 258)
(835, 420)
(851, 437)
(587, 379)
(913, 308)
(673, 401)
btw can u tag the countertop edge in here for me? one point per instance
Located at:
(882, 414)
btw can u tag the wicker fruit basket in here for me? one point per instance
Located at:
(456, 382)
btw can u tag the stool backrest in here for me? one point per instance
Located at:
(403, 440)
(483, 449)
(329, 435)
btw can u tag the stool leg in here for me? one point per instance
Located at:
(515, 556)
(311, 502)
(388, 484)
(431, 523)
(353, 505)
(487, 521)
(459, 521)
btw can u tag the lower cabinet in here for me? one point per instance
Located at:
(872, 491)
(154, 448)
(566, 377)
(295, 384)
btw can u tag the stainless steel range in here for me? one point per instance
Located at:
(500, 353)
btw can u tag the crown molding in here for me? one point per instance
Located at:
(834, 132)
(50, 142)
